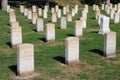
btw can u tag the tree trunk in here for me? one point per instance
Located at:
(108, 2)
(4, 5)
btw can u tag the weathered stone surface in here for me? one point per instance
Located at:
(12, 16)
(14, 24)
(40, 25)
(110, 44)
(72, 50)
(59, 13)
(45, 14)
(40, 11)
(21, 8)
(50, 32)
(78, 29)
(34, 18)
(64, 10)
(8, 8)
(54, 17)
(29, 15)
(63, 23)
(104, 25)
(84, 25)
(16, 36)
(26, 12)
(69, 16)
(25, 60)
(34, 9)
(116, 18)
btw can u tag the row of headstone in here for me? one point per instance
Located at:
(25, 52)
(112, 11)
(109, 36)
(15, 29)
(55, 12)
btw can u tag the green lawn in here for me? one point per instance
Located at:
(49, 57)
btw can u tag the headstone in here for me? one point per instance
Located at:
(118, 6)
(76, 9)
(29, 14)
(111, 5)
(104, 25)
(40, 25)
(72, 50)
(54, 17)
(86, 8)
(106, 7)
(118, 10)
(69, 16)
(45, 14)
(56, 7)
(103, 6)
(116, 18)
(63, 23)
(25, 60)
(26, 12)
(73, 12)
(83, 20)
(14, 24)
(8, 8)
(40, 11)
(110, 44)
(112, 12)
(34, 9)
(50, 32)
(84, 15)
(99, 18)
(52, 10)
(16, 36)
(67, 8)
(21, 8)
(115, 7)
(46, 8)
(78, 29)
(64, 10)
(108, 10)
(34, 18)
(94, 6)
(97, 15)
(12, 16)
(59, 13)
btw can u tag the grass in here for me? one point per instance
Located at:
(49, 57)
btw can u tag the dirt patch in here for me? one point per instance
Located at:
(5, 50)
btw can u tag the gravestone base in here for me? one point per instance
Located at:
(78, 36)
(50, 40)
(110, 55)
(39, 31)
(24, 74)
(72, 62)
(30, 77)
(14, 46)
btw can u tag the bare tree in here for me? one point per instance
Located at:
(4, 5)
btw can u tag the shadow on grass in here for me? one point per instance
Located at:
(43, 39)
(94, 32)
(71, 35)
(93, 18)
(97, 51)
(13, 68)
(9, 44)
(60, 59)
(34, 30)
